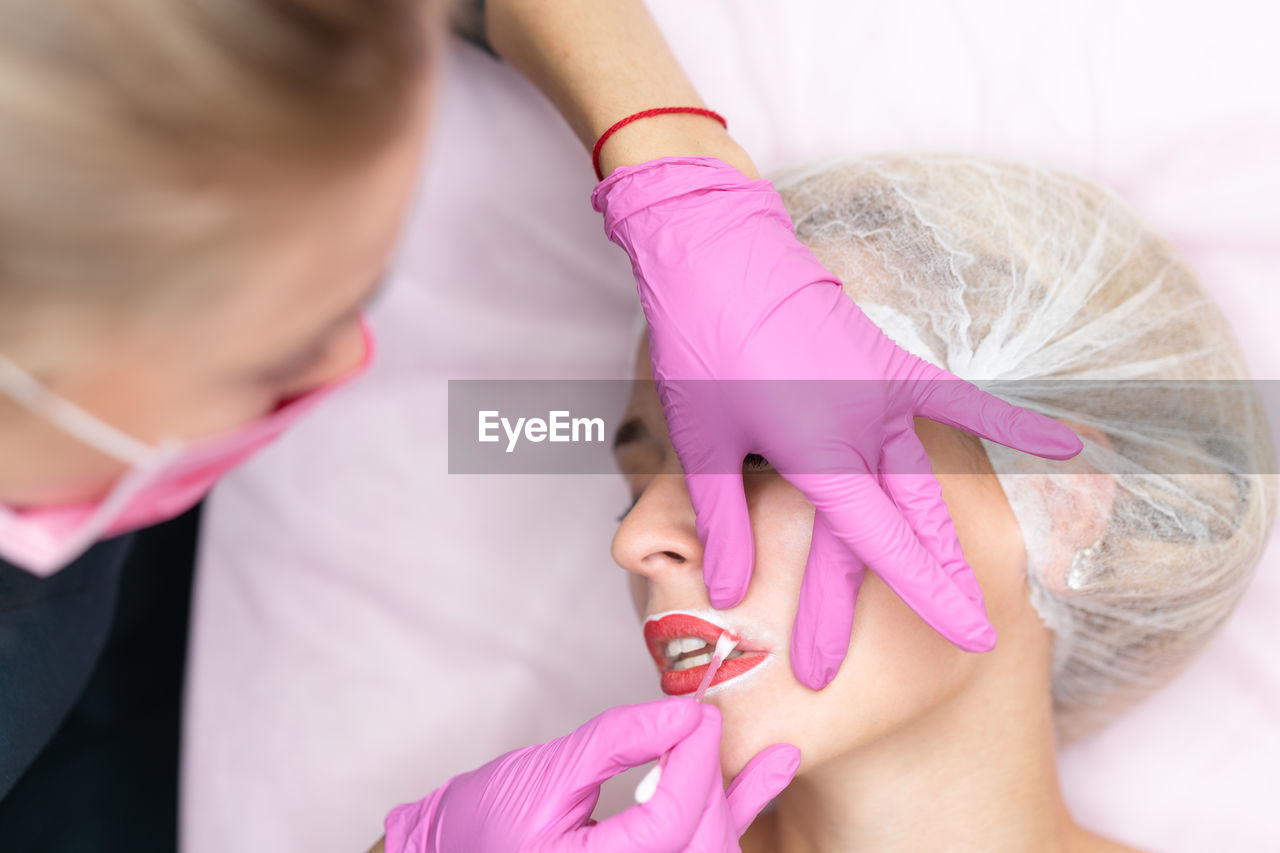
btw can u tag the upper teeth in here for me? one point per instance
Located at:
(687, 646)
(680, 645)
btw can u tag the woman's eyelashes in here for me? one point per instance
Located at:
(627, 511)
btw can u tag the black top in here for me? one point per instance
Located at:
(91, 665)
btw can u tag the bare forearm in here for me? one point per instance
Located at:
(601, 60)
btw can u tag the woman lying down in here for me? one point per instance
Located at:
(1103, 576)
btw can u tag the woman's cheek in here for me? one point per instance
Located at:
(782, 526)
(898, 668)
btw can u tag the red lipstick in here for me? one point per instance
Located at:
(682, 644)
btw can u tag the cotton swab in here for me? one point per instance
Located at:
(649, 784)
(724, 646)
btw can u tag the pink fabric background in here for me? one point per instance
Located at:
(367, 626)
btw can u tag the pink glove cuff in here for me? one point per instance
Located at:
(408, 826)
(630, 189)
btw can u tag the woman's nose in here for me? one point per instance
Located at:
(658, 537)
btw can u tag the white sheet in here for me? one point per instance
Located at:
(344, 653)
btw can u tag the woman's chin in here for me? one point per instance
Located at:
(746, 732)
(735, 752)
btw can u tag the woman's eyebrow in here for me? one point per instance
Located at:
(632, 429)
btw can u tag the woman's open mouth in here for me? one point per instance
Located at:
(681, 645)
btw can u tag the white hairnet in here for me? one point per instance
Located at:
(997, 271)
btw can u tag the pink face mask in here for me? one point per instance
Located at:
(163, 480)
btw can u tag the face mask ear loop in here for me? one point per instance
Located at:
(67, 416)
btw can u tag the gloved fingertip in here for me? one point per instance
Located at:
(823, 677)
(981, 640)
(811, 667)
(780, 764)
(1047, 437)
(727, 562)
(724, 598)
(725, 589)
(788, 761)
(814, 673)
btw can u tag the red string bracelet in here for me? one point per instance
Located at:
(595, 151)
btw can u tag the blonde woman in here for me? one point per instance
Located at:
(1104, 575)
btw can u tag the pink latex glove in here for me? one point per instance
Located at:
(540, 798)
(730, 293)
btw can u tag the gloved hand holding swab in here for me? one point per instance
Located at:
(724, 645)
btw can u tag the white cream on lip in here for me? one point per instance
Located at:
(742, 678)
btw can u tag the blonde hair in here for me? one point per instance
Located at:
(139, 138)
